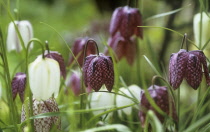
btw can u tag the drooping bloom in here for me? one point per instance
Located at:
(26, 32)
(44, 78)
(59, 58)
(39, 107)
(73, 82)
(98, 70)
(205, 30)
(125, 20)
(18, 85)
(188, 65)
(123, 47)
(132, 91)
(78, 52)
(160, 95)
(101, 100)
(124, 31)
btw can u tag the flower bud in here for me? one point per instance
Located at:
(26, 32)
(160, 95)
(18, 85)
(132, 91)
(78, 48)
(59, 58)
(98, 70)
(205, 30)
(39, 107)
(44, 78)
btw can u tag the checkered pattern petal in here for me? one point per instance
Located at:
(18, 85)
(177, 67)
(43, 124)
(202, 58)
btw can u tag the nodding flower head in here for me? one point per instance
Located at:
(73, 82)
(78, 52)
(59, 58)
(123, 47)
(188, 65)
(125, 20)
(39, 107)
(160, 95)
(18, 85)
(98, 70)
(44, 78)
(26, 32)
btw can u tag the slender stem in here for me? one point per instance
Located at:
(184, 41)
(47, 47)
(27, 74)
(8, 83)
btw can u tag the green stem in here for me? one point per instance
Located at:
(8, 83)
(31, 127)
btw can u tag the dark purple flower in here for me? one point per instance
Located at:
(78, 52)
(123, 47)
(125, 20)
(58, 57)
(161, 97)
(188, 65)
(98, 70)
(74, 83)
(18, 85)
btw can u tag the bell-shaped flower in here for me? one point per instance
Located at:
(78, 52)
(125, 20)
(204, 31)
(73, 82)
(44, 78)
(132, 91)
(13, 40)
(98, 70)
(18, 85)
(160, 95)
(59, 58)
(101, 100)
(39, 107)
(188, 65)
(123, 47)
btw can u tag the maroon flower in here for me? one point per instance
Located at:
(160, 95)
(74, 83)
(125, 20)
(18, 85)
(98, 70)
(188, 65)
(78, 47)
(123, 47)
(58, 57)
(46, 123)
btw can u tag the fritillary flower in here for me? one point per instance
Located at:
(160, 95)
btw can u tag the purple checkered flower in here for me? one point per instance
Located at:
(74, 83)
(98, 70)
(125, 20)
(18, 85)
(160, 95)
(188, 65)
